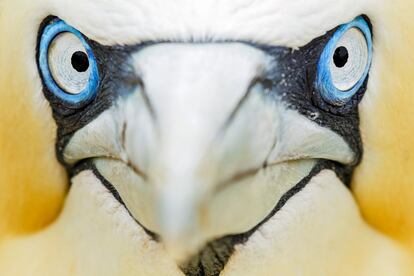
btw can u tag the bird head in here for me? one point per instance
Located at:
(202, 119)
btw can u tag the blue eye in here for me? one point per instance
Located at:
(67, 64)
(345, 62)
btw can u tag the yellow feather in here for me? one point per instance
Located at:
(384, 182)
(32, 184)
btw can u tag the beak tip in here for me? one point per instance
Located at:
(181, 249)
(179, 227)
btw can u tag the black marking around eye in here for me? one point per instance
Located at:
(118, 78)
(293, 81)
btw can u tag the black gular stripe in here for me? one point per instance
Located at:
(211, 260)
(292, 81)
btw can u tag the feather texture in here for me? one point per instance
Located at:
(384, 182)
(33, 185)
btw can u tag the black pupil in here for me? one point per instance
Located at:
(80, 61)
(340, 56)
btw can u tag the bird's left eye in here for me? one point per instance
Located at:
(345, 62)
(67, 64)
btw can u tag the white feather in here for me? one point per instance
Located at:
(276, 22)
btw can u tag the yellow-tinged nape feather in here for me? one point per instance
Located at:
(32, 184)
(384, 182)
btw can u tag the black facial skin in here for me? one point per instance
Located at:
(293, 82)
(117, 78)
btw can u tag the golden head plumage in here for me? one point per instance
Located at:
(382, 183)
(95, 224)
(32, 198)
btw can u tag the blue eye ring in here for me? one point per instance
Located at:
(324, 83)
(50, 32)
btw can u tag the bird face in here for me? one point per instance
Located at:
(203, 140)
(228, 130)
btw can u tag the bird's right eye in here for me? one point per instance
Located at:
(345, 62)
(67, 64)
